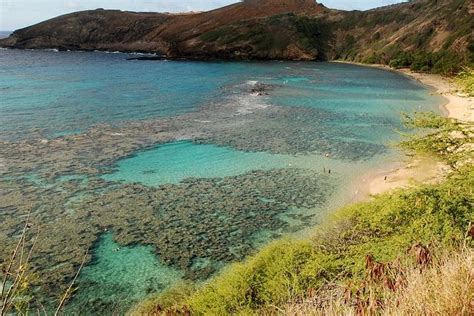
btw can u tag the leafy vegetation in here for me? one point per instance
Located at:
(312, 31)
(465, 81)
(355, 238)
(214, 35)
(15, 287)
(442, 62)
(445, 62)
(445, 138)
(442, 45)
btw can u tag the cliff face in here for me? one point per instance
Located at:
(265, 29)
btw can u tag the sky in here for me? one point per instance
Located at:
(15, 14)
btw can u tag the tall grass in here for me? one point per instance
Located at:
(17, 293)
(15, 287)
(446, 287)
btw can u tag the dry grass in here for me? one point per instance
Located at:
(444, 287)
(17, 292)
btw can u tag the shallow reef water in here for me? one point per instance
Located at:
(119, 276)
(176, 161)
(168, 171)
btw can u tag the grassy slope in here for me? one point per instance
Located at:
(430, 216)
(284, 36)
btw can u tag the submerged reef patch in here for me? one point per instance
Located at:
(117, 277)
(207, 218)
(299, 130)
(197, 221)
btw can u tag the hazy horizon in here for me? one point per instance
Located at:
(16, 14)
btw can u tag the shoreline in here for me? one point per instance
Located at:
(413, 170)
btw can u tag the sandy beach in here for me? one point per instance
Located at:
(458, 106)
(417, 169)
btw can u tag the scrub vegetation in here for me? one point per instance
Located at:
(465, 81)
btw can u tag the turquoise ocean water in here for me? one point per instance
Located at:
(68, 92)
(48, 94)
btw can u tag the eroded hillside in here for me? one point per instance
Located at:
(273, 29)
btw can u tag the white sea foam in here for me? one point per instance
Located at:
(245, 102)
(202, 121)
(143, 54)
(185, 137)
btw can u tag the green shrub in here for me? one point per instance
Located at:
(170, 299)
(372, 59)
(447, 62)
(444, 62)
(401, 60)
(445, 138)
(276, 274)
(313, 32)
(465, 81)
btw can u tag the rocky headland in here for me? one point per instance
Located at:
(269, 29)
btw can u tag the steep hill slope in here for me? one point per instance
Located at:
(271, 29)
(173, 35)
(419, 33)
